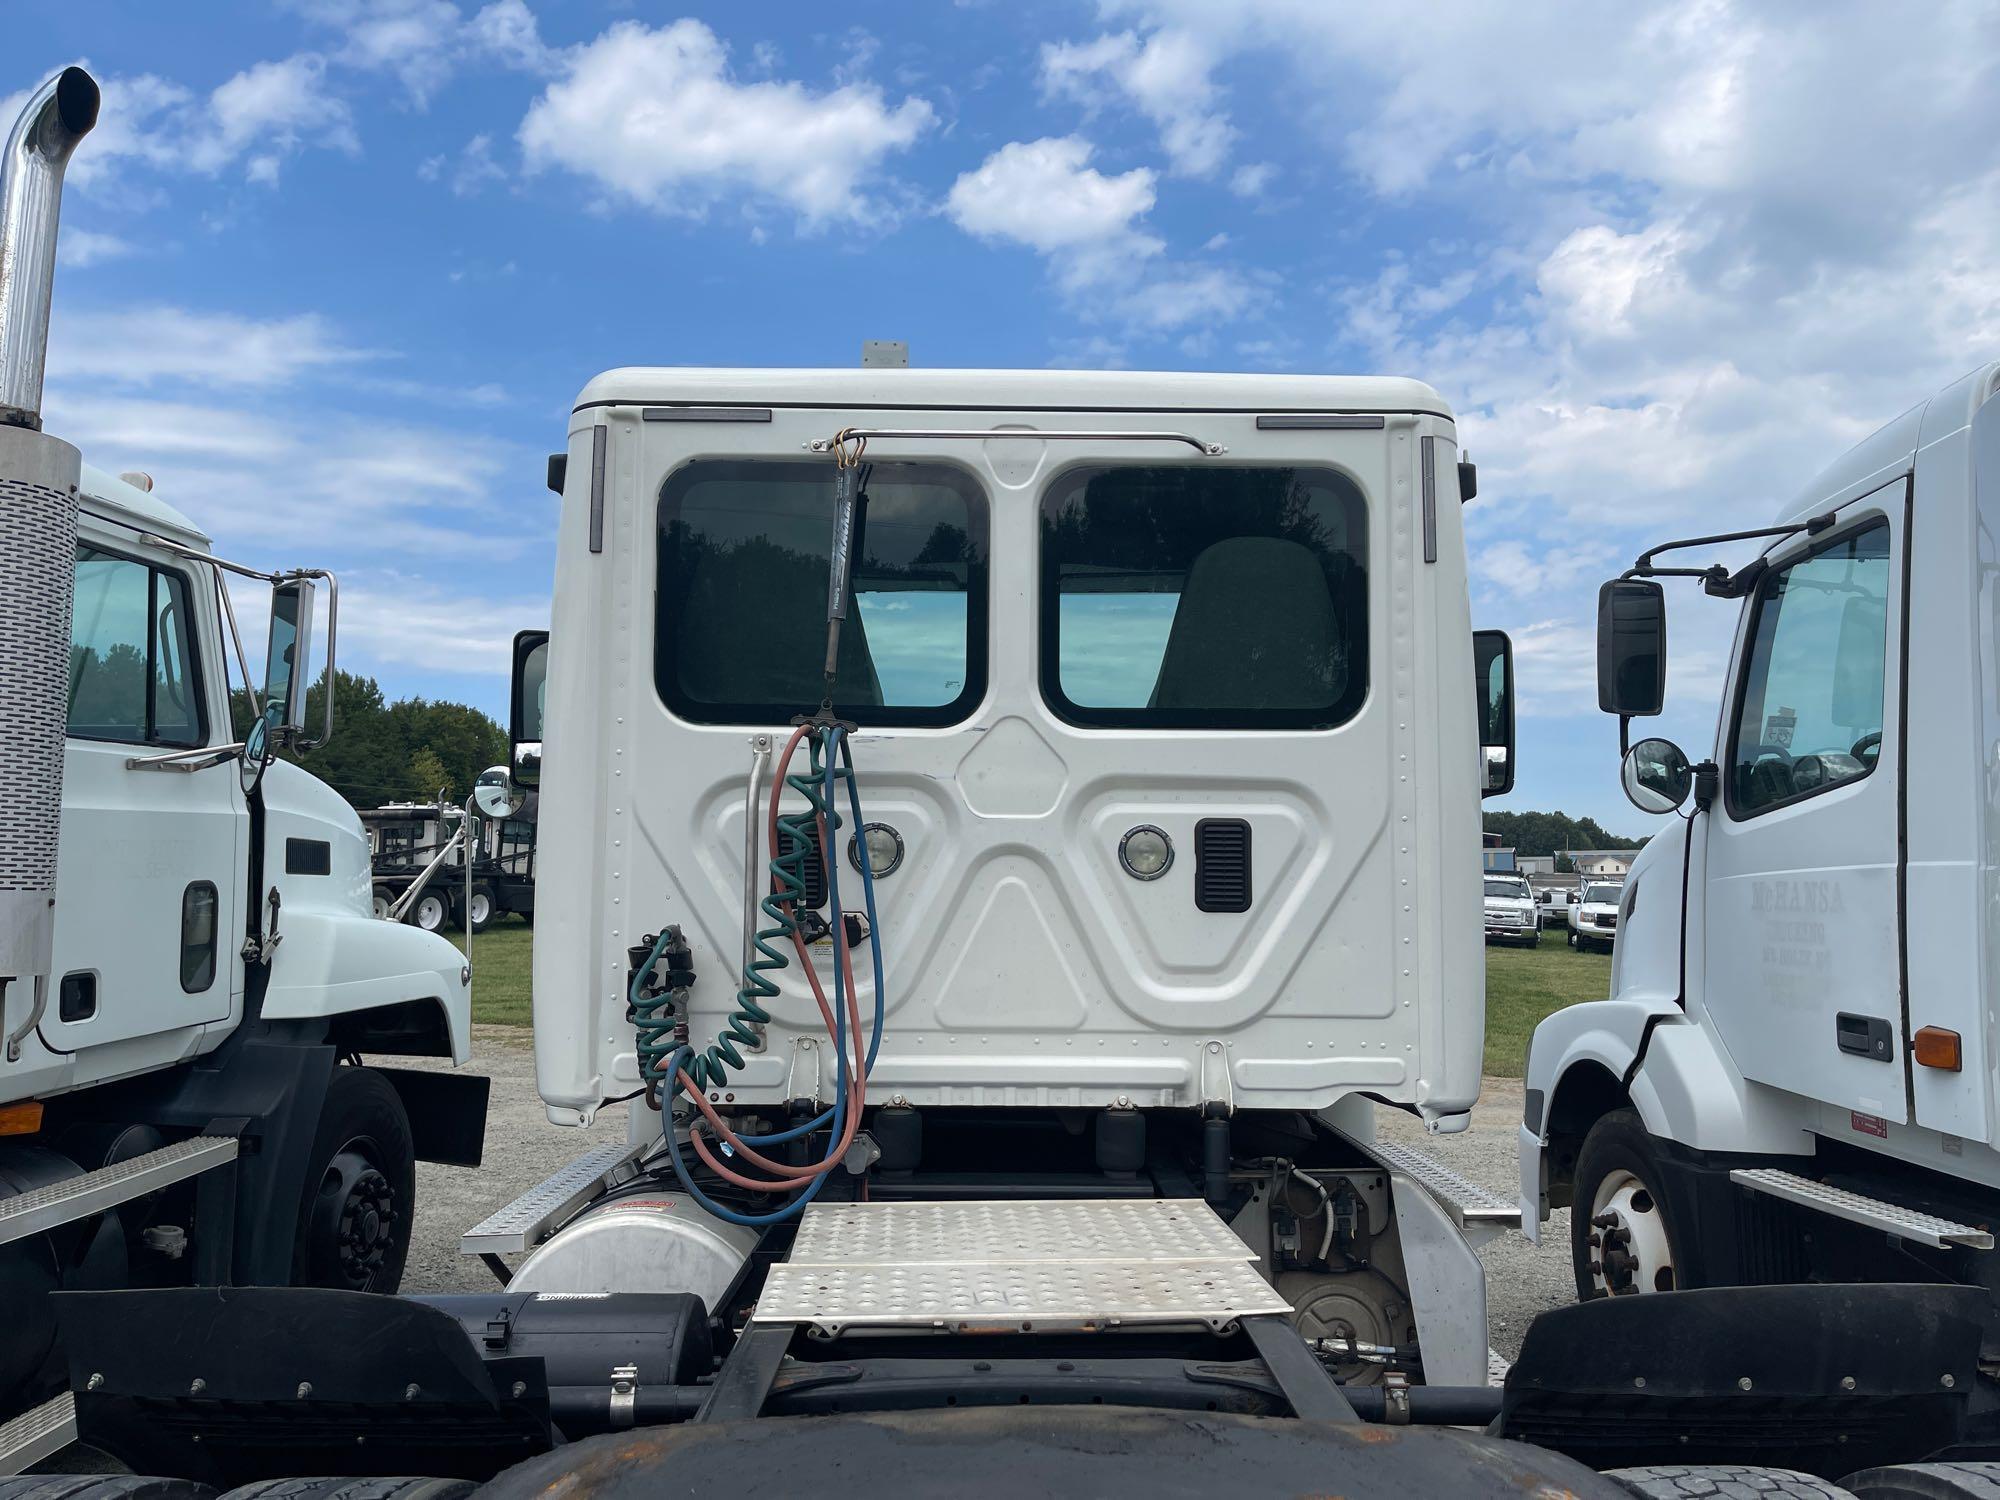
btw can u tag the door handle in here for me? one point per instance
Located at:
(1863, 1036)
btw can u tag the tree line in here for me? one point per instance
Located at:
(411, 750)
(1551, 833)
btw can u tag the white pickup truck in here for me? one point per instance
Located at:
(1510, 911)
(1593, 917)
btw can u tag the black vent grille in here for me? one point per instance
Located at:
(815, 871)
(1222, 864)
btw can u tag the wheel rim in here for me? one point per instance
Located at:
(430, 913)
(1628, 1239)
(381, 907)
(356, 1220)
(482, 907)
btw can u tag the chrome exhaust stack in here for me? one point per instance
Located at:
(59, 114)
(39, 476)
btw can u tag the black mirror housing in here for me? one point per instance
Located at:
(1631, 647)
(526, 706)
(1493, 678)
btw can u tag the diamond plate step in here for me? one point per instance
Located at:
(37, 1433)
(1015, 1267)
(79, 1197)
(1905, 1223)
(1124, 1229)
(1466, 1201)
(522, 1224)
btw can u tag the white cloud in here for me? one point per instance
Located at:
(507, 30)
(1045, 195)
(145, 346)
(654, 117)
(259, 116)
(475, 170)
(1165, 76)
(271, 109)
(88, 247)
(423, 43)
(1254, 180)
(330, 487)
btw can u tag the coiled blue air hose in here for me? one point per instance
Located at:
(839, 765)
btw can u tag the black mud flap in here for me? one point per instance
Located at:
(230, 1384)
(1012, 1452)
(1829, 1379)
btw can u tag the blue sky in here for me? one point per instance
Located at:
(335, 268)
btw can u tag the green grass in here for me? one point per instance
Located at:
(500, 965)
(1522, 986)
(1525, 984)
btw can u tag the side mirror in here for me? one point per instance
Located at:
(496, 796)
(1631, 647)
(1493, 677)
(1656, 776)
(287, 665)
(528, 704)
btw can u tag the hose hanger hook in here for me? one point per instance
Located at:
(841, 457)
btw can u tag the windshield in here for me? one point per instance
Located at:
(1515, 889)
(1602, 895)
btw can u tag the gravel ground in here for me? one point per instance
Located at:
(522, 1148)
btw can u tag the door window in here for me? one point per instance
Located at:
(1809, 711)
(133, 677)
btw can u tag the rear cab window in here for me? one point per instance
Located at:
(740, 604)
(1204, 597)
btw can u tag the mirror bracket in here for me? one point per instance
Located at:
(1707, 785)
(1716, 579)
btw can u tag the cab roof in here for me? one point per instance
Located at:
(112, 496)
(1011, 390)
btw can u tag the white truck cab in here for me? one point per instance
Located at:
(1167, 726)
(1794, 1075)
(190, 969)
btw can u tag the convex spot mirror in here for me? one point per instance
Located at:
(496, 796)
(1631, 647)
(1656, 776)
(528, 704)
(1493, 680)
(287, 664)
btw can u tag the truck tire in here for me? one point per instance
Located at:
(431, 911)
(384, 899)
(1725, 1482)
(360, 1188)
(1974, 1481)
(1620, 1237)
(353, 1489)
(101, 1487)
(1572, 937)
(481, 910)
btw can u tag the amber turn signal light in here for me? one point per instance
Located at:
(1937, 1048)
(21, 1119)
